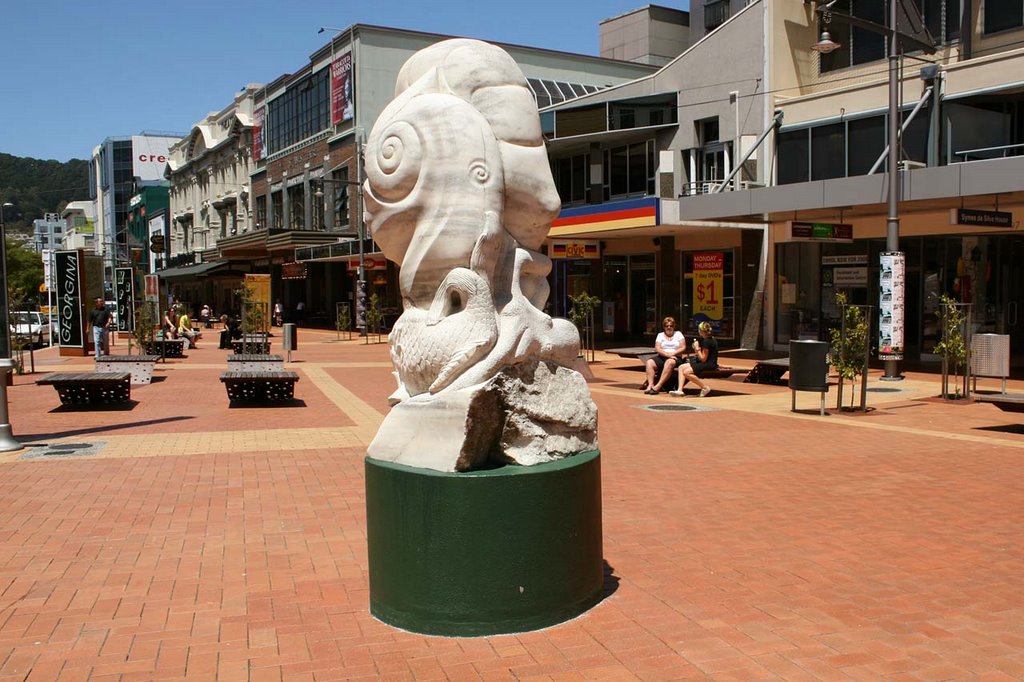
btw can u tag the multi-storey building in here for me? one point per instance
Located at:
(120, 167)
(308, 128)
(208, 171)
(807, 209)
(80, 217)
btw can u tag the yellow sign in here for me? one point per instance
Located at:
(707, 284)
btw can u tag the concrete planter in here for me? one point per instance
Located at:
(140, 366)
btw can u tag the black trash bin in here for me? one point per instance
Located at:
(808, 369)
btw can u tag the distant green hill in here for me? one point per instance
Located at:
(36, 187)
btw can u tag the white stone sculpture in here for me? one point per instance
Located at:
(458, 191)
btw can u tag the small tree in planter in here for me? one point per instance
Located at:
(255, 318)
(343, 321)
(374, 317)
(953, 346)
(849, 346)
(142, 334)
(581, 314)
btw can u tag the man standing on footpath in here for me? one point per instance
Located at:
(99, 318)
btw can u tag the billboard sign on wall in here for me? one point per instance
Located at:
(342, 99)
(149, 156)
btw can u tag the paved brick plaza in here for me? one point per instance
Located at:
(183, 539)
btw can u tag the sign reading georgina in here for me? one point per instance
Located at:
(341, 89)
(69, 298)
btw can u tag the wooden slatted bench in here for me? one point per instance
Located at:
(89, 388)
(167, 348)
(250, 346)
(1007, 402)
(139, 366)
(255, 362)
(259, 386)
(768, 372)
(643, 354)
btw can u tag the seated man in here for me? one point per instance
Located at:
(705, 360)
(669, 345)
(186, 332)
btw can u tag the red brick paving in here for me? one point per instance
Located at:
(742, 546)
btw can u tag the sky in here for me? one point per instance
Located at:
(76, 72)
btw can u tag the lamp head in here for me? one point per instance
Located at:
(825, 44)
(321, 30)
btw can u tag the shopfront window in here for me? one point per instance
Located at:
(797, 291)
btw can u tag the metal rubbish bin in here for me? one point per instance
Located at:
(808, 369)
(290, 340)
(990, 357)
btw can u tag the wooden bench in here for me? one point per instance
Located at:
(255, 362)
(139, 366)
(166, 348)
(1007, 402)
(88, 388)
(768, 372)
(259, 386)
(250, 346)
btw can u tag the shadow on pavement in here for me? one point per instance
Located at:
(235, 404)
(98, 429)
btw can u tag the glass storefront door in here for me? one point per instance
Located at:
(643, 302)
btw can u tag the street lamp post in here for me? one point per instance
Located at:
(7, 440)
(891, 258)
(360, 232)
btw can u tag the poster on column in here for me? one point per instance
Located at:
(707, 287)
(342, 100)
(68, 265)
(124, 292)
(891, 296)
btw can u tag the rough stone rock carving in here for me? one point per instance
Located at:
(458, 191)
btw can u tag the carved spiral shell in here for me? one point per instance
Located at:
(394, 167)
(479, 173)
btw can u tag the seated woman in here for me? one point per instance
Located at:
(225, 333)
(669, 344)
(170, 325)
(706, 359)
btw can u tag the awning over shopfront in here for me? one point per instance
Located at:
(193, 271)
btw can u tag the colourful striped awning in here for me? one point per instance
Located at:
(613, 215)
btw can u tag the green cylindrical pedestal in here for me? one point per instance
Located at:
(487, 552)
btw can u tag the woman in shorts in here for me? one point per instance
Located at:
(669, 345)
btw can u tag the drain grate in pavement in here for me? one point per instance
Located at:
(671, 408)
(885, 390)
(44, 450)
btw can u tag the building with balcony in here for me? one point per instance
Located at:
(961, 171)
(80, 217)
(654, 202)
(624, 159)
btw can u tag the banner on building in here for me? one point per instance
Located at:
(342, 100)
(293, 270)
(891, 295)
(68, 266)
(708, 279)
(150, 156)
(259, 135)
(152, 285)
